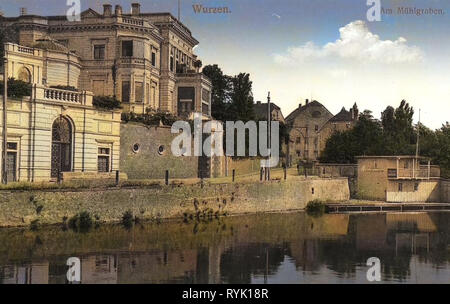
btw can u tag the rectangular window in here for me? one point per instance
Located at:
(171, 63)
(416, 187)
(127, 48)
(205, 109)
(154, 59)
(138, 93)
(103, 159)
(400, 187)
(125, 91)
(392, 173)
(205, 95)
(99, 51)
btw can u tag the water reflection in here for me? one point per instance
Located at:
(271, 248)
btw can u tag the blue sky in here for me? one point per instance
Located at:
(295, 49)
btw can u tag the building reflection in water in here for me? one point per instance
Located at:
(288, 248)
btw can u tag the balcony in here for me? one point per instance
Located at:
(64, 96)
(423, 172)
(23, 50)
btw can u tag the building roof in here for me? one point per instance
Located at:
(301, 109)
(343, 115)
(261, 109)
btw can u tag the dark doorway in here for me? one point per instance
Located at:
(61, 146)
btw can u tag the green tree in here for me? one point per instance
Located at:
(365, 138)
(398, 129)
(242, 98)
(220, 93)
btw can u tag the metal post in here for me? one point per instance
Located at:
(268, 135)
(167, 178)
(261, 172)
(234, 172)
(285, 172)
(5, 135)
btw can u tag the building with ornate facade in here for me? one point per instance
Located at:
(146, 60)
(56, 132)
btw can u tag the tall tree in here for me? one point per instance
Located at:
(242, 97)
(220, 93)
(398, 129)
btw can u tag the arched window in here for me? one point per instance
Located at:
(61, 146)
(24, 75)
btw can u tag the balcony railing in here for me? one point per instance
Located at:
(423, 173)
(132, 21)
(16, 48)
(133, 60)
(62, 95)
(58, 95)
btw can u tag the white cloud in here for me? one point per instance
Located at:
(356, 42)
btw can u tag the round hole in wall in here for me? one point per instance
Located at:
(161, 150)
(136, 148)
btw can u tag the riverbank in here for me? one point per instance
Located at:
(155, 202)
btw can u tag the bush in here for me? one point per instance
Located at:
(16, 88)
(315, 208)
(35, 225)
(106, 102)
(127, 219)
(81, 222)
(151, 119)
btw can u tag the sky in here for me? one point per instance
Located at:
(325, 50)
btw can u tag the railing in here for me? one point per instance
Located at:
(132, 60)
(56, 95)
(62, 95)
(16, 48)
(422, 173)
(132, 21)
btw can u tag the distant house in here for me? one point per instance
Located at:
(304, 125)
(261, 112)
(398, 179)
(342, 121)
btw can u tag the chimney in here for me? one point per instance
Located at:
(299, 105)
(135, 9)
(118, 10)
(107, 10)
(306, 102)
(23, 11)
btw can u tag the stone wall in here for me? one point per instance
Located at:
(148, 162)
(19, 208)
(445, 191)
(427, 191)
